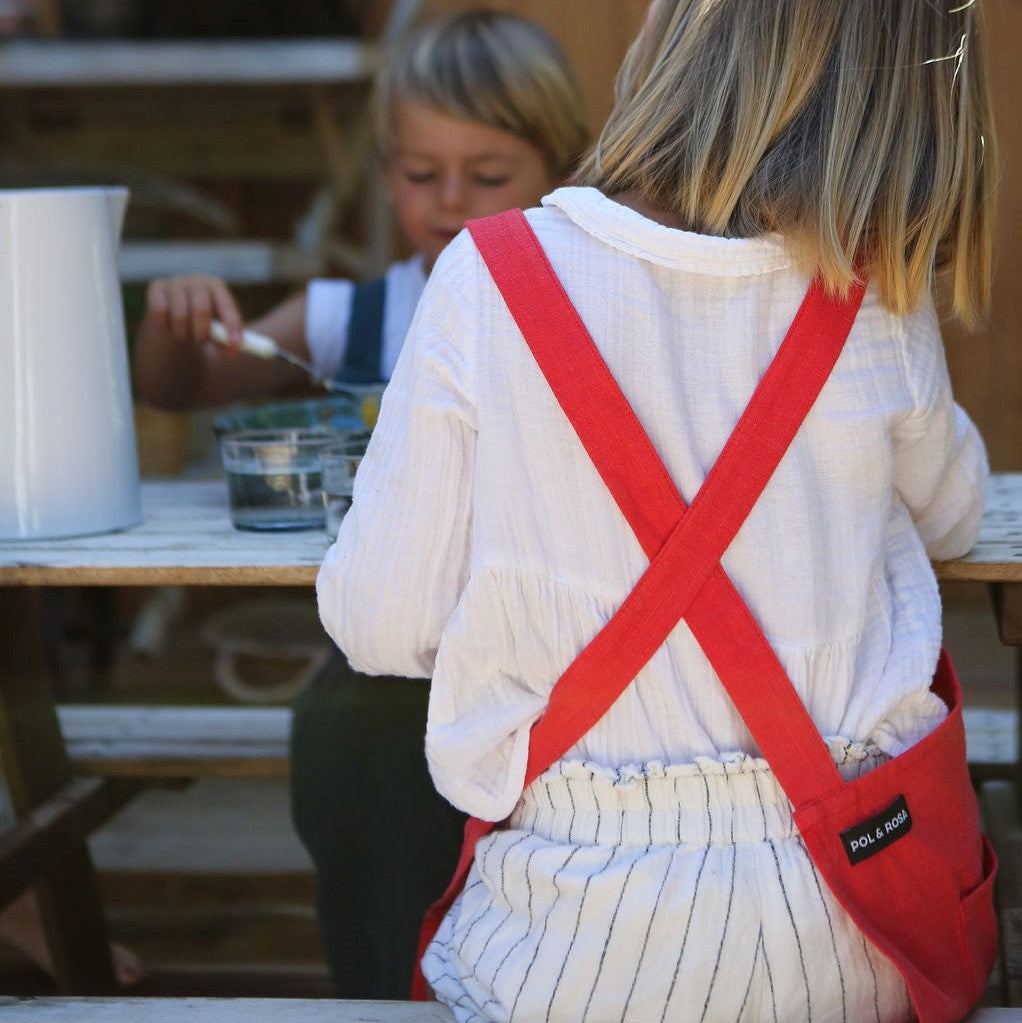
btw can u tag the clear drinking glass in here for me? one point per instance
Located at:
(274, 477)
(340, 462)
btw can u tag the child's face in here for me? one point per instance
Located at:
(445, 170)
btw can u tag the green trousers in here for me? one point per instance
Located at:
(383, 842)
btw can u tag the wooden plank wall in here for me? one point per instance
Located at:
(594, 34)
(986, 366)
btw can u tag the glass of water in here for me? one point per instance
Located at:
(273, 477)
(340, 462)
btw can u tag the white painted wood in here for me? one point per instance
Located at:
(277, 1010)
(98, 731)
(33, 63)
(237, 262)
(236, 1010)
(991, 734)
(94, 731)
(194, 832)
(185, 537)
(84, 724)
(177, 742)
(270, 1010)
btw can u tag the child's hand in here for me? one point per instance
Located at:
(184, 306)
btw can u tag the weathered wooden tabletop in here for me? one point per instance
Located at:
(997, 557)
(186, 538)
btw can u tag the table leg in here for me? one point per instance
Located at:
(1002, 808)
(36, 768)
(1007, 601)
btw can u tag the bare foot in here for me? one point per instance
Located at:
(128, 968)
(21, 927)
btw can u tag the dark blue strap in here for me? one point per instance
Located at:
(364, 349)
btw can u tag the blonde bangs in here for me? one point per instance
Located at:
(862, 132)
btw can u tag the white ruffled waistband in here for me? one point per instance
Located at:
(706, 801)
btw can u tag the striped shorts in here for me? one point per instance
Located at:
(645, 894)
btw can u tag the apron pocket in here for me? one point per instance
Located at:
(979, 922)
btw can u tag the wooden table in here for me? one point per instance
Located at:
(186, 538)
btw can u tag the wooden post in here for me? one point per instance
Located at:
(47, 17)
(36, 767)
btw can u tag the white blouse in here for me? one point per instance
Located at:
(328, 313)
(483, 550)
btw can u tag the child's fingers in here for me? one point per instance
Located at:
(185, 306)
(226, 309)
(200, 308)
(179, 310)
(157, 302)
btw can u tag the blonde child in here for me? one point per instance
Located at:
(655, 871)
(475, 113)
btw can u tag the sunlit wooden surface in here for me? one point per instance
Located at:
(186, 537)
(997, 557)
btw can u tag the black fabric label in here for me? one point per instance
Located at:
(872, 836)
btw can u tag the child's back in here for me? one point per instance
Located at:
(655, 871)
(829, 561)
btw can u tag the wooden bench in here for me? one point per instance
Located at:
(113, 741)
(268, 1010)
(239, 1010)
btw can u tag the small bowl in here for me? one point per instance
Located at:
(346, 412)
(274, 479)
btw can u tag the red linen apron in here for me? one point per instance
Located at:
(900, 848)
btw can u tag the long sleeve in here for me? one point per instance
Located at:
(390, 583)
(940, 461)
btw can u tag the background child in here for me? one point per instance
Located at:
(475, 114)
(655, 872)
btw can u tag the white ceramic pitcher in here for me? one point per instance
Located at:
(68, 464)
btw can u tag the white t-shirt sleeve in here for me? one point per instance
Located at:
(327, 315)
(405, 283)
(328, 305)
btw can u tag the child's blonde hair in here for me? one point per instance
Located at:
(494, 68)
(859, 129)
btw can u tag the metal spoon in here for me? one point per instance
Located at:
(264, 347)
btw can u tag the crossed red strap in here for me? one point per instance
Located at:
(684, 578)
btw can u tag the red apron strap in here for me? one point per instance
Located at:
(687, 564)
